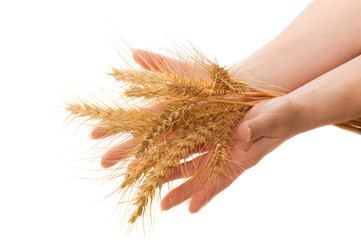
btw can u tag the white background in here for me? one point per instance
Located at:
(309, 188)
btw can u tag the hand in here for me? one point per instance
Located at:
(262, 120)
(270, 123)
(153, 62)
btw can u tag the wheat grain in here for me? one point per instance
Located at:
(203, 110)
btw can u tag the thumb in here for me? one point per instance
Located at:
(275, 118)
(251, 129)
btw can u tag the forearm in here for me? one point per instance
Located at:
(333, 98)
(326, 35)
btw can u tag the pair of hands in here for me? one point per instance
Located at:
(264, 128)
(318, 55)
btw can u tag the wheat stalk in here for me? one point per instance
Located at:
(199, 113)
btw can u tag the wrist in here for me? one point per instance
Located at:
(295, 120)
(305, 113)
(260, 73)
(256, 74)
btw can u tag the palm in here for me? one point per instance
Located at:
(200, 187)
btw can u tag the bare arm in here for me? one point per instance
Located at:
(324, 36)
(332, 98)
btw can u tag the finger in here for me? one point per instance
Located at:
(120, 152)
(216, 184)
(99, 132)
(132, 164)
(254, 128)
(156, 62)
(187, 169)
(208, 191)
(179, 194)
(201, 198)
(264, 145)
(200, 149)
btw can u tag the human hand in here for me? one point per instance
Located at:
(153, 62)
(271, 123)
(242, 155)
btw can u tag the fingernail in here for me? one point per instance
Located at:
(249, 134)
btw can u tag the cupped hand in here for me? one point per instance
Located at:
(153, 62)
(263, 128)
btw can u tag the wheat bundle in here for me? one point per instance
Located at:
(199, 109)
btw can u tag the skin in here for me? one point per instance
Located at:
(317, 58)
(326, 35)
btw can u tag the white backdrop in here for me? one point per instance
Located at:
(309, 188)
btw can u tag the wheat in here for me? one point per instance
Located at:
(201, 115)
(222, 135)
(115, 120)
(169, 120)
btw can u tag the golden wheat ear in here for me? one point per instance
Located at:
(198, 116)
